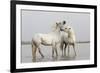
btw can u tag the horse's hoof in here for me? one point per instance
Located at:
(52, 56)
(33, 60)
(65, 55)
(62, 56)
(75, 55)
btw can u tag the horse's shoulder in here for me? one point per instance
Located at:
(36, 35)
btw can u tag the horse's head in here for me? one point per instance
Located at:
(59, 25)
(62, 25)
(67, 28)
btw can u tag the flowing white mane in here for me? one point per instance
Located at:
(54, 26)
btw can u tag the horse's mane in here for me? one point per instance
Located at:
(54, 26)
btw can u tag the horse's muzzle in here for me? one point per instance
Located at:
(61, 29)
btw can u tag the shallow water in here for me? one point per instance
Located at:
(82, 50)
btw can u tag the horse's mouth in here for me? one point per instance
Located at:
(61, 29)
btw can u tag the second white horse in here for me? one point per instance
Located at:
(68, 40)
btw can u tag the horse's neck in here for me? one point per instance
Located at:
(71, 34)
(56, 31)
(64, 34)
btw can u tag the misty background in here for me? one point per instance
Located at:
(33, 22)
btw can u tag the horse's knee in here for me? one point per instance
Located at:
(34, 59)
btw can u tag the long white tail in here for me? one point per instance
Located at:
(33, 50)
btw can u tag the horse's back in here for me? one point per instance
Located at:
(36, 38)
(45, 39)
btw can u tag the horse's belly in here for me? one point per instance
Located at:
(46, 43)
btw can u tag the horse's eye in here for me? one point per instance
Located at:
(65, 28)
(69, 28)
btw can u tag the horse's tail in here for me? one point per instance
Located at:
(32, 43)
(33, 49)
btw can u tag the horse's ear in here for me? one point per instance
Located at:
(56, 24)
(64, 22)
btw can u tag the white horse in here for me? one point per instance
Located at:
(68, 39)
(50, 39)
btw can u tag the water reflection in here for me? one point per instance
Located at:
(83, 53)
(62, 58)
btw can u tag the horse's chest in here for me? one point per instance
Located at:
(56, 39)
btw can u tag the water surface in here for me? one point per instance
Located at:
(82, 50)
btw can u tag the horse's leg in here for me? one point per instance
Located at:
(61, 47)
(56, 50)
(34, 53)
(40, 52)
(68, 49)
(65, 49)
(52, 51)
(74, 49)
(38, 46)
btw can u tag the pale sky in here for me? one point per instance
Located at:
(34, 22)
